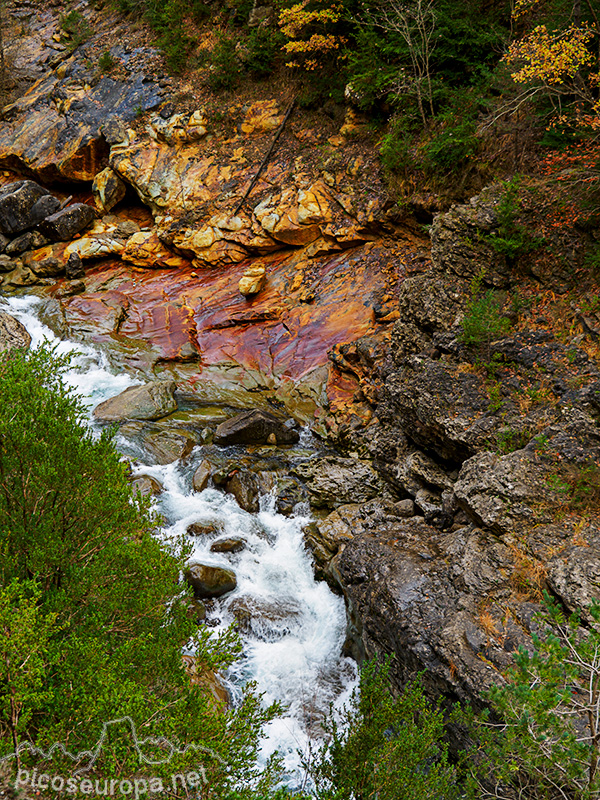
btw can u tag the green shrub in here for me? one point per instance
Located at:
(264, 48)
(225, 69)
(398, 144)
(512, 238)
(385, 747)
(483, 322)
(106, 62)
(452, 145)
(77, 28)
(92, 613)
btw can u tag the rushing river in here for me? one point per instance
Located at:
(295, 626)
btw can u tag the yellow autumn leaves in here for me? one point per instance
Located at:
(551, 57)
(296, 22)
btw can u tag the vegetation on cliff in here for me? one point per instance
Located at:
(468, 90)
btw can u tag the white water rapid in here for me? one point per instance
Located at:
(294, 627)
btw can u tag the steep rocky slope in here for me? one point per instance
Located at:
(467, 475)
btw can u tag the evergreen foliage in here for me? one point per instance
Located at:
(92, 615)
(384, 747)
(544, 741)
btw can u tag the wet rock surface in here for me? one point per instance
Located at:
(151, 401)
(208, 581)
(256, 427)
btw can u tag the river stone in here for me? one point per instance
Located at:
(255, 427)
(202, 476)
(209, 581)
(74, 268)
(167, 446)
(202, 528)
(244, 487)
(13, 333)
(150, 401)
(334, 481)
(235, 544)
(147, 485)
(6, 263)
(47, 268)
(3, 242)
(62, 226)
(17, 201)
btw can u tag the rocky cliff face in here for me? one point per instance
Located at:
(468, 475)
(490, 457)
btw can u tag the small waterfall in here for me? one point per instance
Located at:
(292, 627)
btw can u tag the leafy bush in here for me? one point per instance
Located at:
(512, 238)
(483, 321)
(106, 62)
(92, 614)
(452, 145)
(398, 144)
(384, 747)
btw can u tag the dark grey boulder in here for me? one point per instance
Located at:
(114, 130)
(17, 200)
(47, 268)
(208, 581)
(256, 427)
(74, 267)
(243, 485)
(235, 544)
(62, 226)
(44, 207)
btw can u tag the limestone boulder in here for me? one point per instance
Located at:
(253, 281)
(255, 427)
(261, 117)
(101, 246)
(442, 407)
(209, 581)
(461, 239)
(150, 401)
(333, 481)
(13, 334)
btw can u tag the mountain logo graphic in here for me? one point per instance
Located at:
(93, 754)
